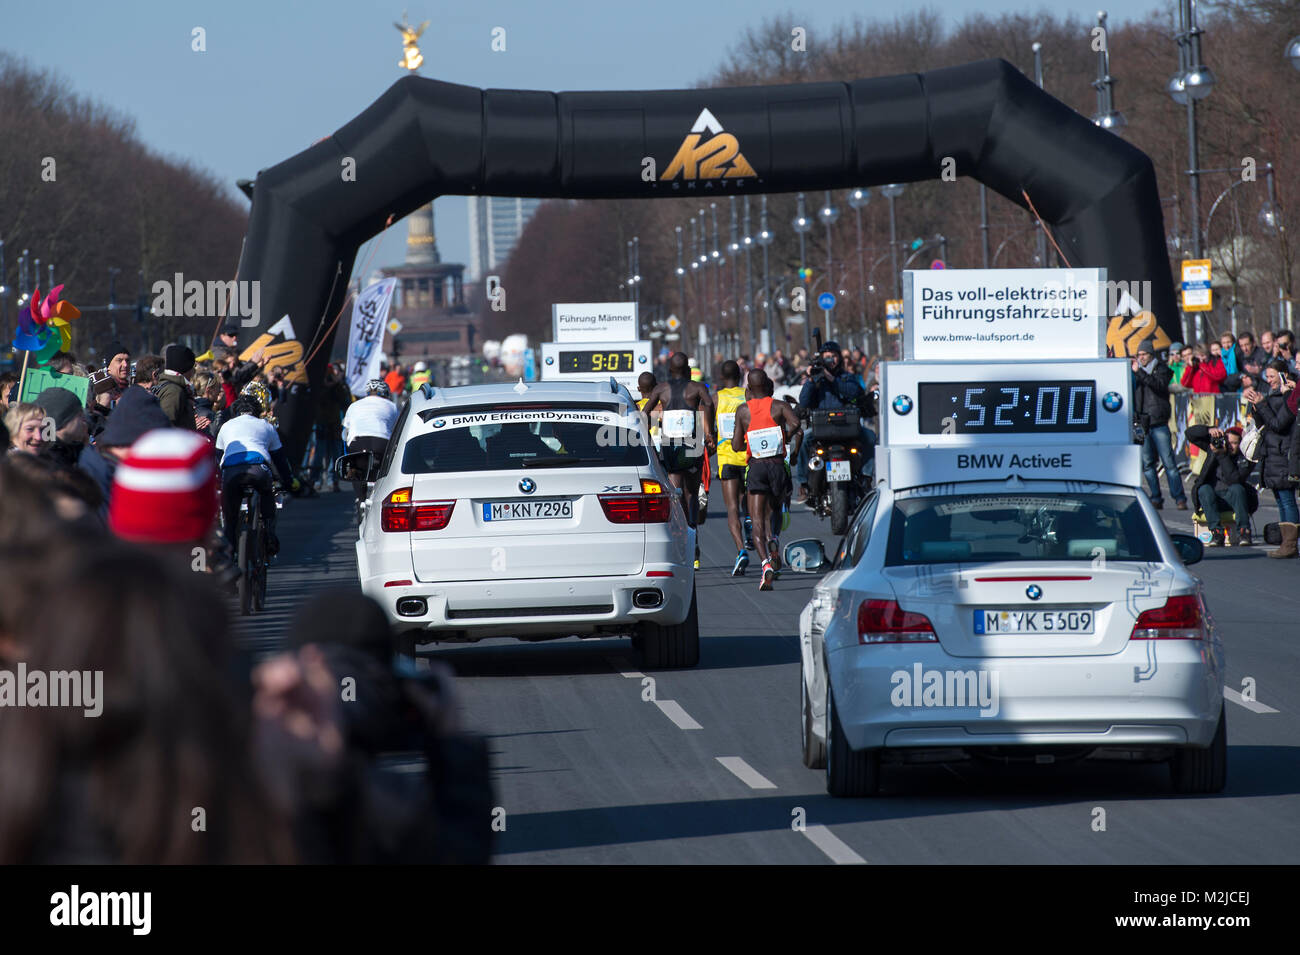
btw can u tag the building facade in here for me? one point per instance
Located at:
(495, 225)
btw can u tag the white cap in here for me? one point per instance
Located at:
(421, 366)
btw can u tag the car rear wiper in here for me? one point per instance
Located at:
(561, 462)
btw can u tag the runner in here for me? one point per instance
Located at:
(764, 426)
(645, 384)
(685, 405)
(731, 464)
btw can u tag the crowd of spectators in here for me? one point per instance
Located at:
(1232, 463)
(199, 753)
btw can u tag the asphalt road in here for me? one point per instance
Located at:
(591, 766)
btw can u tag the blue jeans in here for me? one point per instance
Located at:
(1232, 497)
(1159, 442)
(1286, 505)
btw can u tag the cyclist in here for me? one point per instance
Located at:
(249, 446)
(731, 465)
(764, 427)
(368, 423)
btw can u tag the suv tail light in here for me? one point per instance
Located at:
(652, 506)
(400, 514)
(1181, 618)
(884, 621)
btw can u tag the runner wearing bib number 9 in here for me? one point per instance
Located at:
(731, 464)
(764, 427)
(684, 406)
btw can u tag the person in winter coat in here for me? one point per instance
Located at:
(173, 386)
(1275, 417)
(1205, 373)
(1151, 378)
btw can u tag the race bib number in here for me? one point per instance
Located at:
(766, 442)
(726, 425)
(677, 424)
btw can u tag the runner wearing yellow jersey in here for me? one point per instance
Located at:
(731, 463)
(646, 384)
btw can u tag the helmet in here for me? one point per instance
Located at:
(246, 404)
(420, 366)
(377, 386)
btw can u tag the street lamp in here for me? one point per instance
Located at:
(892, 192)
(1194, 82)
(858, 199)
(829, 215)
(1107, 117)
(764, 238)
(1041, 238)
(801, 225)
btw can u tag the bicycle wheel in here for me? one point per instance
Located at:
(259, 591)
(246, 548)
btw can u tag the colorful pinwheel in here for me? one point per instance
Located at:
(43, 330)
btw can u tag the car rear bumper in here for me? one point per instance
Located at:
(534, 608)
(1153, 693)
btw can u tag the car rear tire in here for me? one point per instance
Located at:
(672, 647)
(839, 508)
(814, 749)
(849, 772)
(1196, 769)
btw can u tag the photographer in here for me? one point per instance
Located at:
(1205, 373)
(1275, 417)
(1221, 484)
(1151, 406)
(831, 386)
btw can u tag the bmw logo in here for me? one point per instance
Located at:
(528, 485)
(902, 404)
(439, 422)
(1034, 592)
(550, 360)
(1112, 401)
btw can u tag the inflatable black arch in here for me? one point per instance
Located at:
(423, 138)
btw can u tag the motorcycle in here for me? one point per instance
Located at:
(838, 465)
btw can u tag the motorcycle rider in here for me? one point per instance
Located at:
(831, 386)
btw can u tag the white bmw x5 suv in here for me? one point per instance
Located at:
(537, 511)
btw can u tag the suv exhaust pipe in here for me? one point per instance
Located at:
(647, 599)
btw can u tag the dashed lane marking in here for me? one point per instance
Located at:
(746, 773)
(1253, 705)
(673, 710)
(834, 848)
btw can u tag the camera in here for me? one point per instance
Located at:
(1219, 443)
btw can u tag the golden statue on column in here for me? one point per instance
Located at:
(411, 55)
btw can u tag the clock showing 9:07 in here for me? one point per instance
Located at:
(599, 360)
(1007, 407)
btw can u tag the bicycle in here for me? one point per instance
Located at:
(251, 550)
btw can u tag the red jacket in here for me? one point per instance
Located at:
(1205, 377)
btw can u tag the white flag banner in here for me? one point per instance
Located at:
(369, 316)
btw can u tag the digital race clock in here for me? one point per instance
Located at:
(1007, 407)
(602, 361)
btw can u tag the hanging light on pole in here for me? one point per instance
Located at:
(858, 199)
(801, 225)
(829, 215)
(892, 192)
(765, 238)
(747, 244)
(1107, 116)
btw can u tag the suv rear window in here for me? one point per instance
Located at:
(522, 439)
(989, 527)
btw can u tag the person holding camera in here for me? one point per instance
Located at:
(1151, 381)
(1205, 373)
(1221, 485)
(831, 386)
(1277, 421)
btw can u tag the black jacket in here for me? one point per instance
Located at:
(844, 392)
(1151, 395)
(1221, 468)
(1275, 418)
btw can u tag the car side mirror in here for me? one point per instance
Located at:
(357, 466)
(805, 556)
(1190, 549)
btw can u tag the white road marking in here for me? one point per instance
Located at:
(1253, 705)
(673, 710)
(617, 666)
(746, 773)
(829, 843)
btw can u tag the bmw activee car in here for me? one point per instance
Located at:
(532, 512)
(990, 609)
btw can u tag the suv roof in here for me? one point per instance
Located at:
(539, 391)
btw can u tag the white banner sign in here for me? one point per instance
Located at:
(595, 322)
(369, 316)
(999, 314)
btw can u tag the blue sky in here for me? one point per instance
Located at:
(277, 75)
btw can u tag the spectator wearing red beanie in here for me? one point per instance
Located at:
(165, 489)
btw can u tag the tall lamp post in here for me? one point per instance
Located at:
(1193, 82)
(801, 225)
(681, 275)
(858, 199)
(1107, 116)
(892, 192)
(747, 243)
(764, 239)
(828, 214)
(1041, 238)
(1272, 222)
